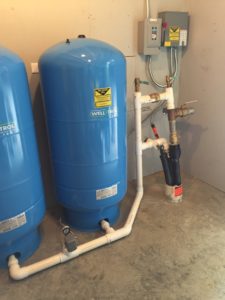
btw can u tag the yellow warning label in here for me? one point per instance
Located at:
(167, 44)
(174, 33)
(103, 97)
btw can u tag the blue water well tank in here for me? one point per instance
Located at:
(84, 87)
(21, 193)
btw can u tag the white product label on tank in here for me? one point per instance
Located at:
(6, 129)
(107, 192)
(104, 113)
(13, 223)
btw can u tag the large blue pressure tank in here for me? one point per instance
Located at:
(84, 87)
(21, 193)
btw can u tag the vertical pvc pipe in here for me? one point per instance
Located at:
(138, 141)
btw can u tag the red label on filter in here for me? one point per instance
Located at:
(178, 191)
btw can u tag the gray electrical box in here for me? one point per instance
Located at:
(174, 28)
(149, 37)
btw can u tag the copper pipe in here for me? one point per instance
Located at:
(137, 83)
(168, 81)
(171, 113)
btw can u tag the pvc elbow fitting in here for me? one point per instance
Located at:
(15, 271)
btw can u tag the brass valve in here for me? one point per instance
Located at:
(184, 111)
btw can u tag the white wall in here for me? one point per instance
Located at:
(29, 27)
(202, 78)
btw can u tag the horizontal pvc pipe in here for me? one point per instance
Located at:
(168, 96)
(17, 273)
(145, 99)
(155, 143)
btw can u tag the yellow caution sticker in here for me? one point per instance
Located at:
(167, 44)
(103, 97)
(174, 33)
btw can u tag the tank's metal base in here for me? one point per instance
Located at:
(23, 248)
(90, 221)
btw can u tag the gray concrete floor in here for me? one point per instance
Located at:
(174, 252)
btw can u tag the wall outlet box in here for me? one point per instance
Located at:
(149, 36)
(34, 68)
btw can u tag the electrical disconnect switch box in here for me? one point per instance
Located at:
(149, 37)
(174, 28)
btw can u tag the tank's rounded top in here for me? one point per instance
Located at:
(8, 57)
(14, 91)
(82, 50)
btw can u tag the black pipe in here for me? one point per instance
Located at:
(164, 159)
(166, 167)
(174, 153)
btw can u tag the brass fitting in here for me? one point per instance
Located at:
(173, 138)
(168, 81)
(179, 112)
(137, 83)
(171, 114)
(172, 125)
(184, 111)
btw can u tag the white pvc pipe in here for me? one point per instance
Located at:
(155, 143)
(17, 273)
(147, 99)
(138, 126)
(106, 226)
(168, 96)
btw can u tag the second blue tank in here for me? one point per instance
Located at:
(84, 87)
(22, 205)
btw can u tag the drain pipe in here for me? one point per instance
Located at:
(17, 272)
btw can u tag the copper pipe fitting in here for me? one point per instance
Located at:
(184, 111)
(173, 138)
(137, 83)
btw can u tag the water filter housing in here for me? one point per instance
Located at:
(21, 193)
(84, 87)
